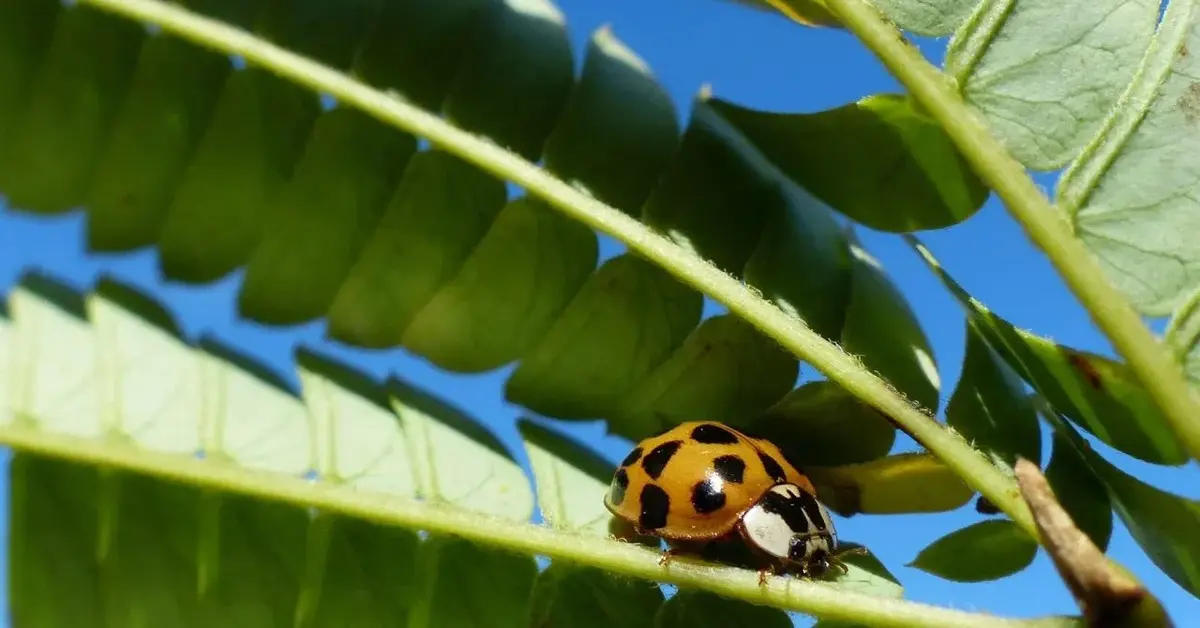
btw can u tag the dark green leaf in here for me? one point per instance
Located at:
(566, 596)
(883, 331)
(369, 577)
(511, 288)
(1100, 395)
(802, 261)
(252, 143)
(441, 210)
(821, 424)
(49, 160)
(1080, 492)
(988, 550)
(877, 160)
(713, 199)
(418, 46)
(515, 78)
(171, 101)
(464, 584)
(26, 30)
(619, 129)
(725, 371)
(1162, 523)
(628, 318)
(989, 406)
(697, 609)
(322, 217)
(901, 483)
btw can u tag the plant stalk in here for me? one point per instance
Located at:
(631, 559)
(1153, 363)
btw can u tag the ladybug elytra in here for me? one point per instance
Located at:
(703, 482)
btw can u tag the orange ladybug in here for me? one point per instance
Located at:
(703, 482)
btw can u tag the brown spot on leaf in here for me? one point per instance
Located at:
(1189, 103)
(1085, 367)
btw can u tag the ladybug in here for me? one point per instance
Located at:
(702, 483)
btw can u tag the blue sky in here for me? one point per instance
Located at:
(764, 62)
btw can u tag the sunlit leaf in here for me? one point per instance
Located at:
(1131, 195)
(1016, 64)
(571, 480)
(987, 550)
(877, 161)
(900, 483)
(1099, 394)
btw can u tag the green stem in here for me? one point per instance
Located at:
(975, 469)
(804, 596)
(1154, 365)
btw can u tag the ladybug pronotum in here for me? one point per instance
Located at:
(704, 482)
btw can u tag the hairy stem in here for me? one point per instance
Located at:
(1154, 365)
(975, 469)
(815, 598)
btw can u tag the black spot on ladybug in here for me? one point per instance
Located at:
(655, 506)
(773, 468)
(707, 498)
(710, 434)
(657, 459)
(731, 468)
(632, 457)
(619, 484)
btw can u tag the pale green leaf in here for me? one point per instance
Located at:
(571, 480)
(931, 18)
(1045, 73)
(1183, 335)
(1131, 195)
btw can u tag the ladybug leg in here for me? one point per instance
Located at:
(765, 574)
(670, 553)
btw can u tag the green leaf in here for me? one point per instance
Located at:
(516, 76)
(1098, 394)
(807, 12)
(931, 18)
(571, 480)
(618, 131)
(606, 341)
(318, 222)
(441, 210)
(821, 424)
(1011, 62)
(883, 331)
(989, 406)
(867, 574)
(464, 584)
(508, 293)
(877, 161)
(1183, 335)
(900, 483)
(26, 29)
(1080, 492)
(987, 550)
(1162, 523)
(726, 371)
(802, 261)
(49, 160)
(174, 91)
(698, 609)
(568, 596)
(1131, 195)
